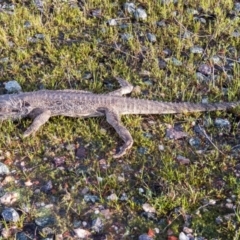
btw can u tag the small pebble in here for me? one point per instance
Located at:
(9, 198)
(112, 197)
(129, 7)
(236, 34)
(32, 40)
(82, 233)
(96, 12)
(229, 205)
(39, 5)
(142, 150)
(27, 24)
(4, 60)
(148, 208)
(201, 77)
(237, 6)
(192, 11)
(151, 37)
(47, 187)
(39, 36)
(126, 36)
(161, 23)
(12, 86)
(124, 197)
(22, 236)
(3, 169)
(112, 22)
(187, 35)
(219, 220)
(222, 123)
(10, 215)
(194, 142)
(145, 237)
(205, 69)
(196, 49)
(183, 236)
(140, 14)
(212, 202)
(160, 147)
(215, 59)
(182, 160)
(162, 63)
(45, 221)
(187, 230)
(91, 198)
(97, 224)
(176, 62)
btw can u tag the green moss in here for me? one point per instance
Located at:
(90, 46)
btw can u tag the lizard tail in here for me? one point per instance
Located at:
(140, 106)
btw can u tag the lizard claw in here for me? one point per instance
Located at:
(123, 149)
(27, 133)
(119, 154)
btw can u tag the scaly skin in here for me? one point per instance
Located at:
(41, 105)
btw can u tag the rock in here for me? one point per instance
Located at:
(39, 5)
(47, 187)
(112, 197)
(196, 49)
(148, 208)
(91, 198)
(22, 236)
(183, 236)
(222, 123)
(126, 36)
(176, 62)
(187, 230)
(140, 14)
(112, 22)
(13, 86)
(45, 221)
(129, 7)
(9, 198)
(201, 77)
(145, 237)
(10, 215)
(82, 233)
(205, 69)
(194, 142)
(151, 37)
(27, 24)
(97, 225)
(182, 160)
(161, 23)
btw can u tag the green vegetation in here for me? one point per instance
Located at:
(79, 50)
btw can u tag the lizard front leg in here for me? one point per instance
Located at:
(39, 118)
(113, 119)
(126, 87)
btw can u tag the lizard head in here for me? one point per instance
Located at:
(12, 107)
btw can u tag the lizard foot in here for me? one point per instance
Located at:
(123, 149)
(28, 132)
(38, 121)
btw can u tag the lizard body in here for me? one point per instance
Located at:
(43, 104)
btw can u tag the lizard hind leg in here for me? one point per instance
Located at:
(113, 119)
(40, 117)
(126, 88)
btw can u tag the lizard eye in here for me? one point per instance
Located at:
(26, 104)
(15, 110)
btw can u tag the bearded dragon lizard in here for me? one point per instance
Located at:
(43, 104)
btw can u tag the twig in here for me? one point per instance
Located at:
(208, 138)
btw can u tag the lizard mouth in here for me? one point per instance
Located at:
(9, 116)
